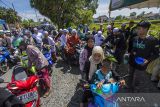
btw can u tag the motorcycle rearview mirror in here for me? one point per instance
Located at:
(1, 80)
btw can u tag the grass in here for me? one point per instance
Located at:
(154, 30)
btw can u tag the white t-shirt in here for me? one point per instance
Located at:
(38, 37)
(98, 39)
(63, 40)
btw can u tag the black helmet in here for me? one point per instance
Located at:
(144, 24)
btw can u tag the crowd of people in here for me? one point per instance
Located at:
(133, 40)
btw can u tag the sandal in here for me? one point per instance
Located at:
(46, 94)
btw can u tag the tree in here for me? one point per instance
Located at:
(119, 17)
(9, 15)
(133, 14)
(66, 12)
(29, 23)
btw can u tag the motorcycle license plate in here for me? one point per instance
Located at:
(28, 97)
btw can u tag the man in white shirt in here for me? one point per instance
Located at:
(38, 38)
(63, 38)
(48, 41)
(99, 38)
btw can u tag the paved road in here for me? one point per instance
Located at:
(65, 90)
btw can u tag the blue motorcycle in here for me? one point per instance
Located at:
(48, 55)
(105, 96)
(4, 56)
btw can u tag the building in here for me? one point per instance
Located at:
(101, 19)
(152, 16)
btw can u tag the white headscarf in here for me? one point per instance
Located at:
(93, 63)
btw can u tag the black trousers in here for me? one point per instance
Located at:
(138, 80)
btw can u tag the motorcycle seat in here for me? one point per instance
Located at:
(19, 73)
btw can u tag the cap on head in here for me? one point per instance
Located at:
(60, 30)
(99, 32)
(64, 30)
(144, 24)
(89, 32)
(123, 25)
(35, 29)
(109, 27)
(74, 31)
(45, 32)
(115, 30)
(26, 32)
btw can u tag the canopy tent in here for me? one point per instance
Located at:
(119, 4)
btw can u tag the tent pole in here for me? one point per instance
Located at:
(110, 12)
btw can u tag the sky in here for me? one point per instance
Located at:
(26, 12)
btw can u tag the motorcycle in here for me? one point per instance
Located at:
(7, 98)
(14, 54)
(24, 87)
(4, 56)
(73, 58)
(48, 55)
(24, 61)
(104, 96)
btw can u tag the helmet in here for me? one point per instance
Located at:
(17, 42)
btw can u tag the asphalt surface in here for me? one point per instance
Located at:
(65, 91)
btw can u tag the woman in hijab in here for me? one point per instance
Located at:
(86, 53)
(94, 62)
(91, 66)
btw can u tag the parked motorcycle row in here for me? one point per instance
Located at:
(24, 85)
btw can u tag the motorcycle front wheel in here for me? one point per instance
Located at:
(4, 67)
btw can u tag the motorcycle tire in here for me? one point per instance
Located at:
(4, 67)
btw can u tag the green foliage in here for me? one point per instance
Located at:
(154, 30)
(29, 23)
(9, 15)
(65, 13)
(119, 17)
(133, 14)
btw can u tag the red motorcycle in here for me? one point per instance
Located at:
(24, 87)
